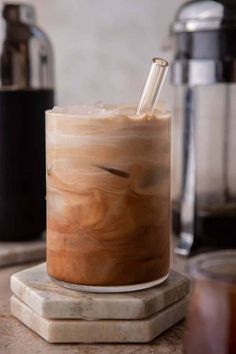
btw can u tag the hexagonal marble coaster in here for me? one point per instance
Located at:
(47, 299)
(99, 331)
(12, 253)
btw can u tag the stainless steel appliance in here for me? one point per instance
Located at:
(204, 125)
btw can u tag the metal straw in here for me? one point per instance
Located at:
(153, 85)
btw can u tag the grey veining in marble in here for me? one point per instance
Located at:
(12, 253)
(49, 300)
(99, 331)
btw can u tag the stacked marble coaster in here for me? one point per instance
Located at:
(60, 315)
(12, 253)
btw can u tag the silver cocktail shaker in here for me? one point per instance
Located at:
(26, 79)
(204, 125)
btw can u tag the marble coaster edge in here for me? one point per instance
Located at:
(140, 309)
(20, 253)
(148, 328)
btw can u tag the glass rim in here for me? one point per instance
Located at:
(111, 110)
(206, 266)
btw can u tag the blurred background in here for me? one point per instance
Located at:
(103, 48)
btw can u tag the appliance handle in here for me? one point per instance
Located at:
(188, 197)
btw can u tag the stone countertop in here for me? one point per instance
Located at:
(15, 338)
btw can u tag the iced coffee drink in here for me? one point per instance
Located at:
(108, 197)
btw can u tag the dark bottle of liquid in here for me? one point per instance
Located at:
(26, 75)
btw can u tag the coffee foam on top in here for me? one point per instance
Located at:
(100, 110)
(96, 110)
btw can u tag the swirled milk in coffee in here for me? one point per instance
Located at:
(108, 195)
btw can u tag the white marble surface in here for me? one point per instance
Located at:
(12, 253)
(99, 331)
(34, 287)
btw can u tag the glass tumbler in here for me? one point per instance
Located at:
(211, 322)
(108, 197)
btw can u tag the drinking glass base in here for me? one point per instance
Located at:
(110, 289)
